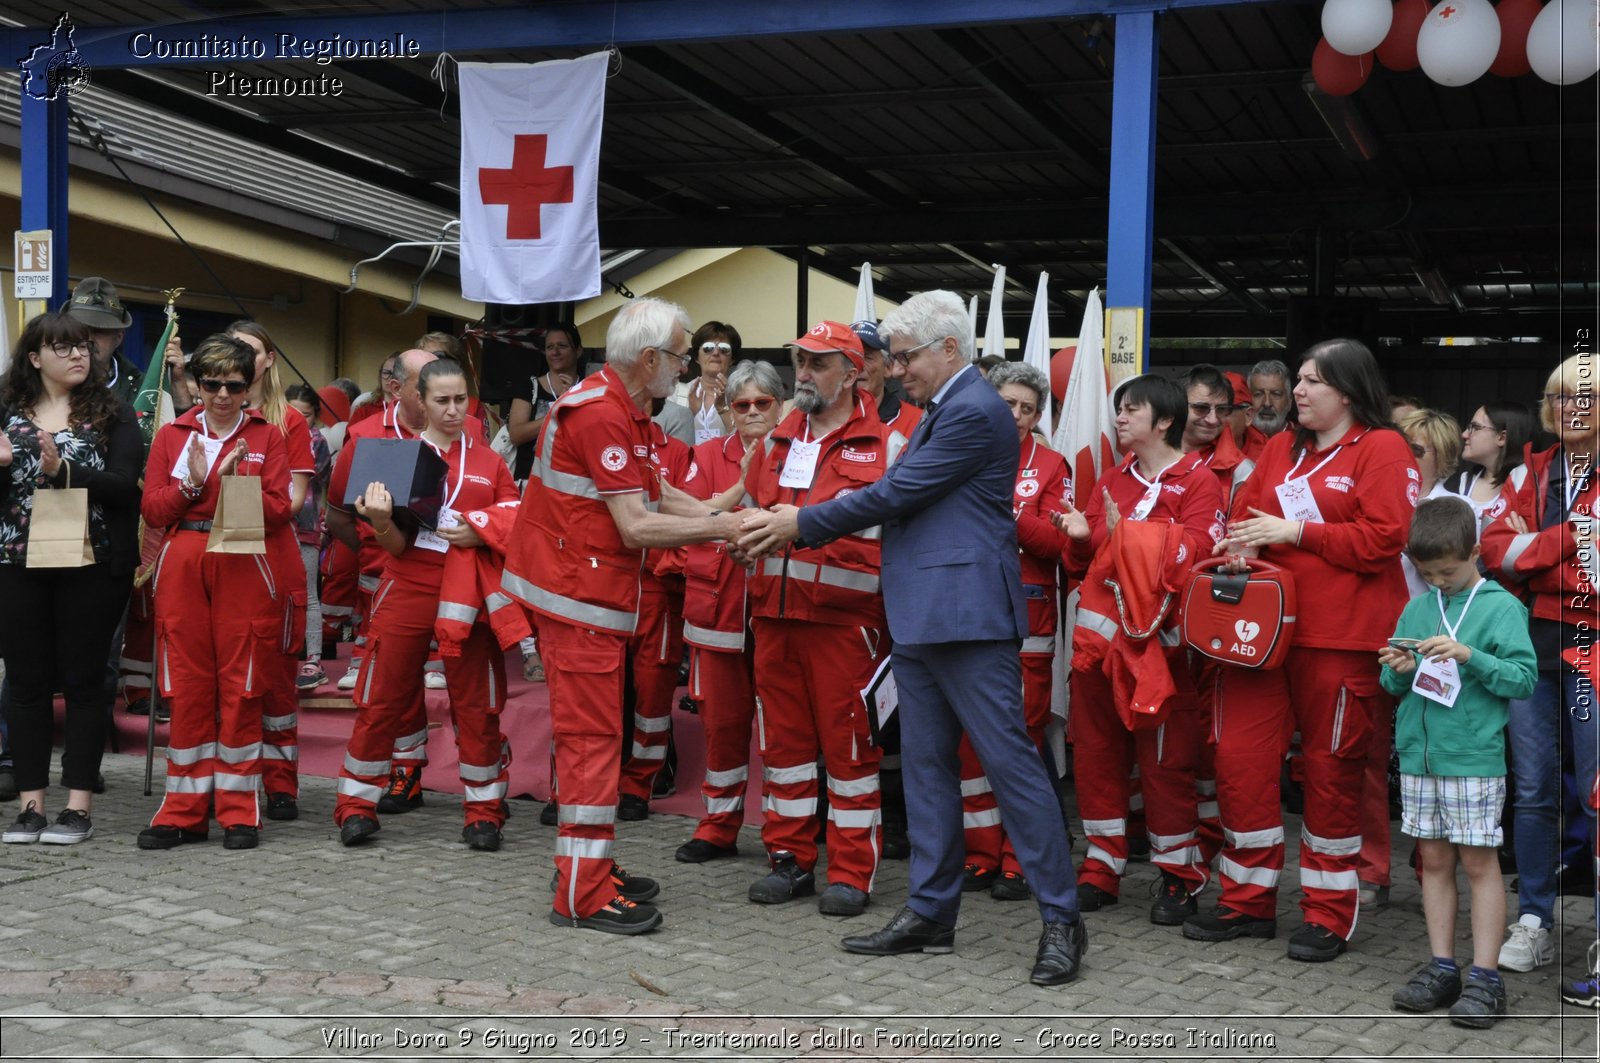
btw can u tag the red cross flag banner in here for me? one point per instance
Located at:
(530, 159)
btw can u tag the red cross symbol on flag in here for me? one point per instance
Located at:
(526, 187)
(1447, 12)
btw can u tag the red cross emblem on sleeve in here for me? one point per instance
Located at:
(526, 187)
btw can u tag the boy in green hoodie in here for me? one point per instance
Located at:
(1458, 655)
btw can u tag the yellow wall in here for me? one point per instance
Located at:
(288, 282)
(751, 288)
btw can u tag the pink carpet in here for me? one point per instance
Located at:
(525, 721)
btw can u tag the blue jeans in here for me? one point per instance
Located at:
(1536, 734)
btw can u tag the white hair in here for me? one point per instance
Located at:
(645, 322)
(928, 317)
(1023, 374)
(753, 372)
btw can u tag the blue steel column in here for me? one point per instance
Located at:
(44, 181)
(1131, 224)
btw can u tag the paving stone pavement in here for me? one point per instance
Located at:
(414, 947)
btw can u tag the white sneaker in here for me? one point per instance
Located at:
(1528, 945)
(433, 680)
(348, 680)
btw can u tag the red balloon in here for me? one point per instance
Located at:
(1399, 49)
(1061, 371)
(1516, 17)
(1338, 74)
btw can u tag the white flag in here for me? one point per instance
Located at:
(530, 160)
(1086, 437)
(866, 306)
(972, 326)
(994, 334)
(1036, 352)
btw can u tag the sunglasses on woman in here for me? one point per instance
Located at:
(716, 348)
(746, 405)
(211, 386)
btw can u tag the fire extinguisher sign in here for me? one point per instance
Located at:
(32, 264)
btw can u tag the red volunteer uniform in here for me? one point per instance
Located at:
(820, 635)
(1347, 572)
(1546, 559)
(219, 624)
(1233, 468)
(1043, 484)
(280, 750)
(1104, 751)
(657, 647)
(568, 564)
(388, 693)
(716, 625)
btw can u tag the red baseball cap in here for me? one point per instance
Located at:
(1241, 390)
(827, 336)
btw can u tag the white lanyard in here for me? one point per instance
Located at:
(1034, 453)
(205, 428)
(391, 419)
(1152, 490)
(1451, 629)
(461, 476)
(1320, 464)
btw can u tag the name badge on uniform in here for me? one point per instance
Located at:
(1438, 681)
(213, 446)
(801, 465)
(1297, 500)
(1147, 503)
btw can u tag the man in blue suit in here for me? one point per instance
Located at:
(952, 587)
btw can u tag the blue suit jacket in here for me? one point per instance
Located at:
(950, 567)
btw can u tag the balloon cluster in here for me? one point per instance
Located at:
(1456, 42)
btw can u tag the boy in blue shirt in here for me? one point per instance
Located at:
(1458, 655)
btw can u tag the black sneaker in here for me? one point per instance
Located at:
(70, 828)
(975, 878)
(1431, 987)
(620, 916)
(241, 837)
(1174, 903)
(1092, 898)
(403, 793)
(550, 814)
(632, 888)
(1315, 944)
(481, 835)
(169, 837)
(357, 829)
(27, 828)
(281, 806)
(632, 808)
(1482, 1003)
(840, 899)
(164, 713)
(1224, 924)
(698, 851)
(1011, 887)
(786, 882)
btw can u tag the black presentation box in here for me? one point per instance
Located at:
(411, 470)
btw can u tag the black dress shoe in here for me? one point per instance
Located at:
(1061, 948)
(241, 837)
(698, 851)
(164, 837)
(282, 807)
(906, 932)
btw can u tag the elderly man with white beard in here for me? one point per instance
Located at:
(1271, 400)
(594, 503)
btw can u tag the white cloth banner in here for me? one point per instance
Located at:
(866, 304)
(1036, 351)
(530, 161)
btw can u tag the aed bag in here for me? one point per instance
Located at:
(1245, 619)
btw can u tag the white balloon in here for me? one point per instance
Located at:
(1355, 27)
(1564, 41)
(1458, 41)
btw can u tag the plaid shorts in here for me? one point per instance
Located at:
(1461, 810)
